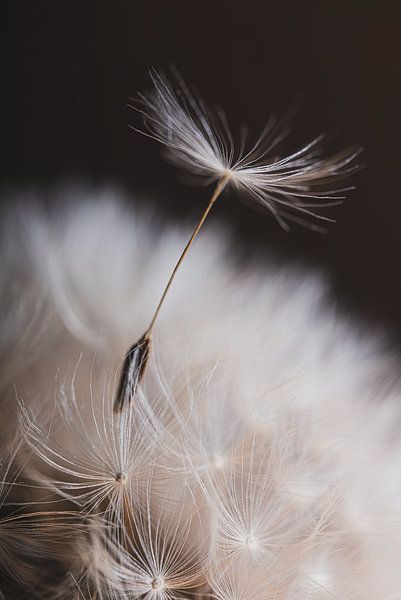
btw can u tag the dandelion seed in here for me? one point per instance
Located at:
(133, 370)
(103, 454)
(254, 523)
(291, 187)
(160, 559)
(209, 435)
(201, 142)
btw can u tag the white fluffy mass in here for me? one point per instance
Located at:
(260, 458)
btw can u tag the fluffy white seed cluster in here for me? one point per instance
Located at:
(259, 460)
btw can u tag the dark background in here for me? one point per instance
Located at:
(69, 69)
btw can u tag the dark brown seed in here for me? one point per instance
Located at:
(132, 372)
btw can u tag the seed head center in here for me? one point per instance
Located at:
(250, 542)
(157, 583)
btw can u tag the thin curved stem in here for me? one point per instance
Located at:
(218, 190)
(136, 359)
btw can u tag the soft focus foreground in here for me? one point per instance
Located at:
(260, 458)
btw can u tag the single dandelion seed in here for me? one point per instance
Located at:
(100, 455)
(162, 557)
(291, 187)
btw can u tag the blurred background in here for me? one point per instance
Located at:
(69, 69)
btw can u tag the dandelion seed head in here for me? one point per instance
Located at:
(218, 506)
